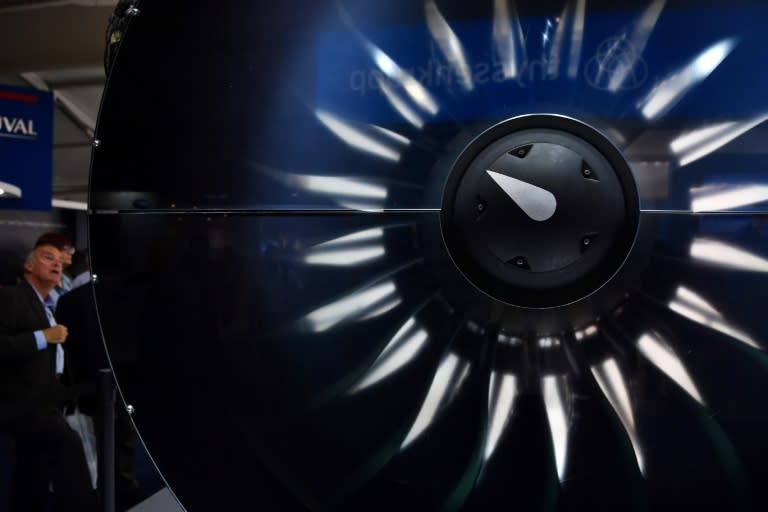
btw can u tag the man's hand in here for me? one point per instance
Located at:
(55, 334)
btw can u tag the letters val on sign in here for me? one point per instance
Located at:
(26, 148)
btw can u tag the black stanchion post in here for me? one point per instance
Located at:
(107, 448)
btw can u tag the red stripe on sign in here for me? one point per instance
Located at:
(19, 96)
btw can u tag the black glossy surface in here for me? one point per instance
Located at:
(282, 312)
(249, 104)
(221, 333)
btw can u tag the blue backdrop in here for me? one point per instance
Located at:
(26, 148)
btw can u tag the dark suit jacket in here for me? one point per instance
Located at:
(27, 375)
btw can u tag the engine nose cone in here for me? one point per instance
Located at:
(540, 211)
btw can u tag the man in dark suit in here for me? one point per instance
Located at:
(48, 451)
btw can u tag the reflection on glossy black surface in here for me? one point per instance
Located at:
(365, 107)
(284, 316)
(350, 383)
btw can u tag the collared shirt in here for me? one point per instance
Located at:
(60, 289)
(48, 306)
(81, 279)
